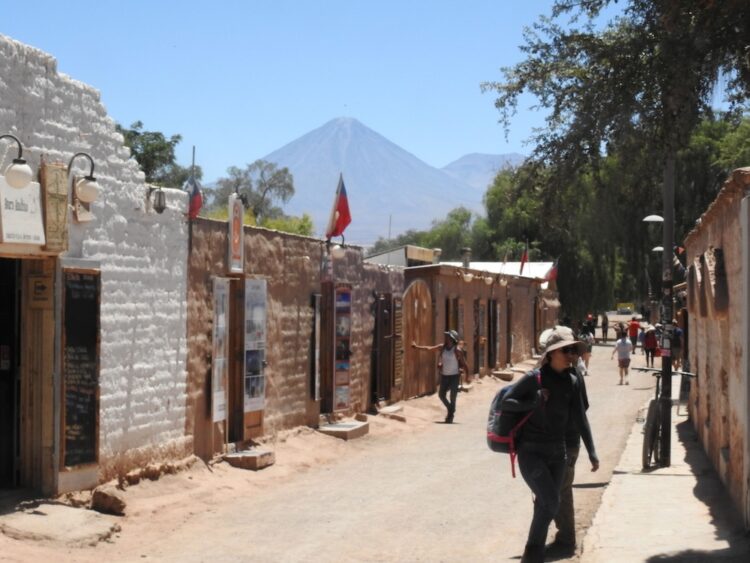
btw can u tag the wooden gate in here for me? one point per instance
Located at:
(419, 365)
(383, 348)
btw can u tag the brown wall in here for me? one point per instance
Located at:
(291, 266)
(715, 337)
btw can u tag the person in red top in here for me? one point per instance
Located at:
(649, 345)
(633, 327)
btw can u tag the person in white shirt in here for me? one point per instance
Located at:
(624, 348)
(452, 361)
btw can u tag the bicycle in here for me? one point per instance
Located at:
(652, 426)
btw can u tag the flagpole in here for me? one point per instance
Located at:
(190, 221)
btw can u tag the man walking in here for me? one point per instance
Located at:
(623, 347)
(452, 361)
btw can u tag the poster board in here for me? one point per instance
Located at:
(342, 347)
(21, 214)
(220, 350)
(255, 346)
(54, 181)
(315, 368)
(80, 367)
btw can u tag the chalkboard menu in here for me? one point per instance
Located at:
(81, 366)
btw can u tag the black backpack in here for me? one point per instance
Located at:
(503, 427)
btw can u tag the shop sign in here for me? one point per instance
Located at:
(342, 348)
(21, 214)
(236, 259)
(220, 348)
(255, 345)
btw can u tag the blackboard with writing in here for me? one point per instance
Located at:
(81, 366)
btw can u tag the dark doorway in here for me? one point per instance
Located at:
(9, 346)
(383, 348)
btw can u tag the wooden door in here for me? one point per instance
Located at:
(383, 348)
(398, 349)
(419, 365)
(492, 333)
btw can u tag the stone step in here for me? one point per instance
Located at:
(251, 459)
(393, 411)
(345, 430)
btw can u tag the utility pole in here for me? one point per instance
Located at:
(666, 311)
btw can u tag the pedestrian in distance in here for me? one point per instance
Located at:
(633, 329)
(605, 326)
(649, 345)
(623, 348)
(641, 336)
(452, 360)
(554, 399)
(676, 345)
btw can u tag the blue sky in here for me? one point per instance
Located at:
(241, 79)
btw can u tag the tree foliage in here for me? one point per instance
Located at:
(261, 183)
(155, 155)
(621, 98)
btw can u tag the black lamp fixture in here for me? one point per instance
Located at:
(18, 174)
(160, 199)
(85, 189)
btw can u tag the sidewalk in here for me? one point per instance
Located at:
(677, 513)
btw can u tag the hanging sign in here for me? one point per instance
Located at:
(342, 348)
(21, 214)
(236, 259)
(255, 345)
(219, 365)
(55, 189)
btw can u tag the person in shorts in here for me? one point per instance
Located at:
(623, 348)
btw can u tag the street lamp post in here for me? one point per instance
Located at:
(667, 313)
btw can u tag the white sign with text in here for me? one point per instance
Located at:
(21, 214)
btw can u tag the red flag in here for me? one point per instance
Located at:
(524, 257)
(196, 199)
(551, 274)
(340, 216)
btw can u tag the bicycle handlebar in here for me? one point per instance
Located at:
(674, 372)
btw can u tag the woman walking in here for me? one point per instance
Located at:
(555, 399)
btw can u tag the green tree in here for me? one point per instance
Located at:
(154, 153)
(623, 100)
(261, 183)
(296, 225)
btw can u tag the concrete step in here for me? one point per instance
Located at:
(393, 411)
(345, 430)
(251, 459)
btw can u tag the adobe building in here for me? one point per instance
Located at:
(292, 331)
(498, 315)
(718, 335)
(92, 290)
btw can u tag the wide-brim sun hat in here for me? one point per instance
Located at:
(453, 335)
(650, 328)
(560, 337)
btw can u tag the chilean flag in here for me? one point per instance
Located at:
(551, 274)
(193, 188)
(340, 216)
(524, 257)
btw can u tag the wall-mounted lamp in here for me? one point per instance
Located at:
(159, 204)
(503, 282)
(488, 280)
(85, 189)
(18, 174)
(337, 251)
(468, 276)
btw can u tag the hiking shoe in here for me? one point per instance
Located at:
(560, 549)
(449, 419)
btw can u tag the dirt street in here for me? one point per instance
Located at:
(415, 491)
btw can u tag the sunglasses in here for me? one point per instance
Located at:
(569, 350)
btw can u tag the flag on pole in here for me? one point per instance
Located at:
(524, 257)
(193, 188)
(340, 216)
(551, 274)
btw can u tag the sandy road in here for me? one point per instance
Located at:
(420, 491)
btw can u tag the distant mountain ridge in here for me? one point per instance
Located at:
(479, 170)
(385, 183)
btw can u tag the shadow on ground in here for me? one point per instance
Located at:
(710, 491)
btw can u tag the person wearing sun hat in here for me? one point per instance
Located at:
(555, 400)
(452, 361)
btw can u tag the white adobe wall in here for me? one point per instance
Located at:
(143, 255)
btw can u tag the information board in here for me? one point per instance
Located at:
(80, 365)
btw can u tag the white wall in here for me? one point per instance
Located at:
(143, 255)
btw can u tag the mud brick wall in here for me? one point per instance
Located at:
(291, 266)
(143, 256)
(716, 343)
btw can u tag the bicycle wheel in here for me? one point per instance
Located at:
(650, 434)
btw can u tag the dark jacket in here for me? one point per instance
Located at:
(549, 422)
